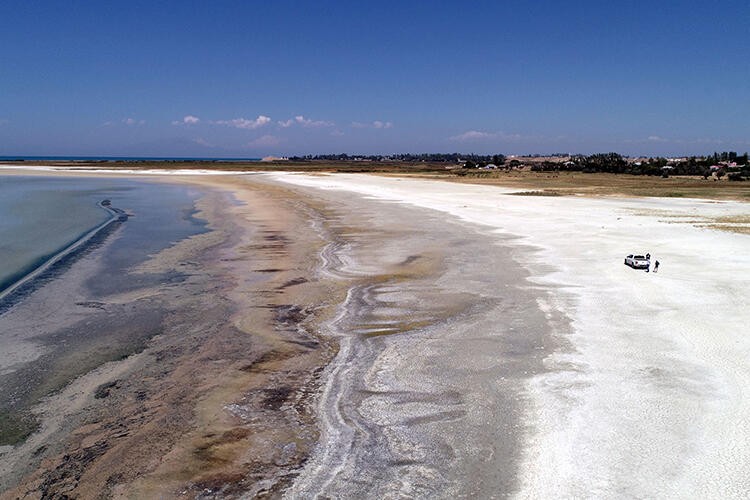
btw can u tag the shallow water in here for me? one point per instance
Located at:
(39, 216)
(51, 334)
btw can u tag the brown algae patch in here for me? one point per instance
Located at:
(739, 229)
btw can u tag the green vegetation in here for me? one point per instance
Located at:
(716, 165)
(472, 159)
(603, 184)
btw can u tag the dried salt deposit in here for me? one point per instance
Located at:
(651, 395)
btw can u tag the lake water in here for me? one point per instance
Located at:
(45, 343)
(39, 216)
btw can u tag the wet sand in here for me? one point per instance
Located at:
(438, 335)
(310, 344)
(215, 398)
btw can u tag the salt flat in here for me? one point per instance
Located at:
(649, 397)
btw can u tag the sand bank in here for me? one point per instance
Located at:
(650, 398)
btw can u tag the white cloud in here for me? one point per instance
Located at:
(187, 120)
(244, 123)
(305, 122)
(375, 124)
(264, 141)
(203, 142)
(476, 135)
(471, 135)
(337, 133)
(717, 142)
(657, 138)
(132, 121)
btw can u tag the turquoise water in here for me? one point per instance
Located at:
(37, 219)
(39, 216)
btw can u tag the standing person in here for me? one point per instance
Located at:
(656, 266)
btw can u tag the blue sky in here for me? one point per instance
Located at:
(247, 78)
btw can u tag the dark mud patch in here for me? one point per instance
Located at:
(103, 390)
(292, 282)
(410, 259)
(309, 344)
(261, 364)
(62, 480)
(288, 315)
(92, 304)
(276, 397)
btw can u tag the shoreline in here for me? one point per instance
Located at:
(524, 182)
(481, 335)
(288, 386)
(24, 284)
(240, 325)
(59, 322)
